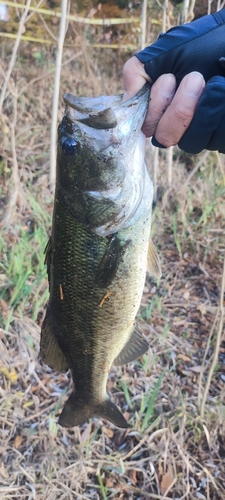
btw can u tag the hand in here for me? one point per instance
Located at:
(187, 70)
(170, 112)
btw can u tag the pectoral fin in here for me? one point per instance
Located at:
(110, 261)
(136, 346)
(50, 351)
(153, 262)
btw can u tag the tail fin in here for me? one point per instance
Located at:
(77, 410)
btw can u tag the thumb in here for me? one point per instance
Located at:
(134, 77)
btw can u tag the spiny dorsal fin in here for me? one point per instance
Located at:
(153, 262)
(50, 351)
(136, 346)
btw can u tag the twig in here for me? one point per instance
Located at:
(197, 166)
(56, 94)
(204, 358)
(14, 52)
(75, 18)
(122, 46)
(218, 341)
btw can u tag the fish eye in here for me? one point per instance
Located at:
(69, 146)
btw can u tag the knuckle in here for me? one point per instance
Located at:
(129, 66)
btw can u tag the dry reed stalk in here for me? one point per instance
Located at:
(155, 171)
(55, 102)
(13, 196)
(169, 152)
(217, 346)
(197, 166)
(184, 15)
(143, 23)
(169, 163)
(191, 13)
(14, 52)
(128, 46)
(75, 18)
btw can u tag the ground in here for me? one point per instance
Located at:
(175, 444)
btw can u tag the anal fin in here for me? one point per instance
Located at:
(136, 346)
(50, 351)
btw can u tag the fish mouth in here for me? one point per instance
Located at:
(105, 112)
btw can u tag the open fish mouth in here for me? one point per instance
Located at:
(106, 112)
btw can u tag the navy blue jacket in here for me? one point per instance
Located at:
(196, 46)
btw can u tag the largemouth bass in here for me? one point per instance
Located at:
(98, 251)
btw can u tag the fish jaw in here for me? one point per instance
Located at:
(78, 409)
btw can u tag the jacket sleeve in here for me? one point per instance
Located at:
(197, 46)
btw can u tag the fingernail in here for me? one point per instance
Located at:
(168, 85)
(194, 84)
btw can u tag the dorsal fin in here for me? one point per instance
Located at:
(153, 261)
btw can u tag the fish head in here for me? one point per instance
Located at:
(100, 167)
(83, 166)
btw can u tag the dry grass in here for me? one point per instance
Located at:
(168, 451)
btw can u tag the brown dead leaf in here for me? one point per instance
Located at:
(184, 357)
(186, 295)
(133, 476)
(109, 483)
(5, 308)
(3, 471)
(166, 481)
(109, 432)
(17, 441)
(165, 478)
(195, 369)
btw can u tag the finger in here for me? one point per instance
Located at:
(134, 77)
(179, 114)
(162, 93)
(208, 125)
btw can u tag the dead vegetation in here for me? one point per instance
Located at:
(175, 446)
